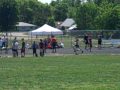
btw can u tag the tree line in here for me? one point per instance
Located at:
(88, 14)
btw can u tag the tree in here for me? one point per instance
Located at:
(42, 15)
(8, 14)
(98, 2)
(113, 19)
(27, 10)
(33, 11)
(51, 21)
(102, 17)
(60, 12)
(85, 17)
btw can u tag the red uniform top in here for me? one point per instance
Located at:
(53, 40)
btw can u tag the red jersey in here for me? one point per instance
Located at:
(53, 40)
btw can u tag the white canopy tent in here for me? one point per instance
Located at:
(46, 30)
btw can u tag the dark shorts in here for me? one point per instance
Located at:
(90, 45)
(86, 42)
(77, 46)
(14, 50)
(22, 50)
(54, 44)
(34, 50)
(99, 42)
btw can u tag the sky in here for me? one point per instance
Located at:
(48, 1)
(45, 1)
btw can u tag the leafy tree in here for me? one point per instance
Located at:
(8, 14)
(51, 21)
(113, 19)
(85, 16)
(27, 10)
(98, 2)
(104, 9)
(60, 12)
(33, 11)
(42, 15)
(72, 12)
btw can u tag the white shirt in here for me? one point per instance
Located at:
(15, 45)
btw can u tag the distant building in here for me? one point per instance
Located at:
(68, 23)
(24, 27)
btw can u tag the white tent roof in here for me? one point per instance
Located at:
(46, 30)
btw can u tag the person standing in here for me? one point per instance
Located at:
(6, 45)
(3, 39)
(90, 42)
(46, 44)
(42, 47)
(54, 44)
(34, 47)
(86, 41)
(15, 45)
(99, 41)
(23, 48)
(1, 43)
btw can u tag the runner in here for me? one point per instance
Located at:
(76, 46)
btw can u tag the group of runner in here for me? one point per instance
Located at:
(88, 43)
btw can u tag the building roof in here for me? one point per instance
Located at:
(68, 22)
(24, 24)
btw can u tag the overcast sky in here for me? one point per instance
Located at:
(45, 1)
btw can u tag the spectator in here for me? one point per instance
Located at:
(15, 48)
(53, 44)
(90, 42)
(3, 39)
(1, 43)
(34, 47)
(42, 47)
(27, 45)
(86, 41)
(61, 45)
(6, 45)
(99, 41)
(23, 48)
(46, 44)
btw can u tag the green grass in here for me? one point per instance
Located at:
(60, 73)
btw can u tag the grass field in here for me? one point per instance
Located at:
(60, 73)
